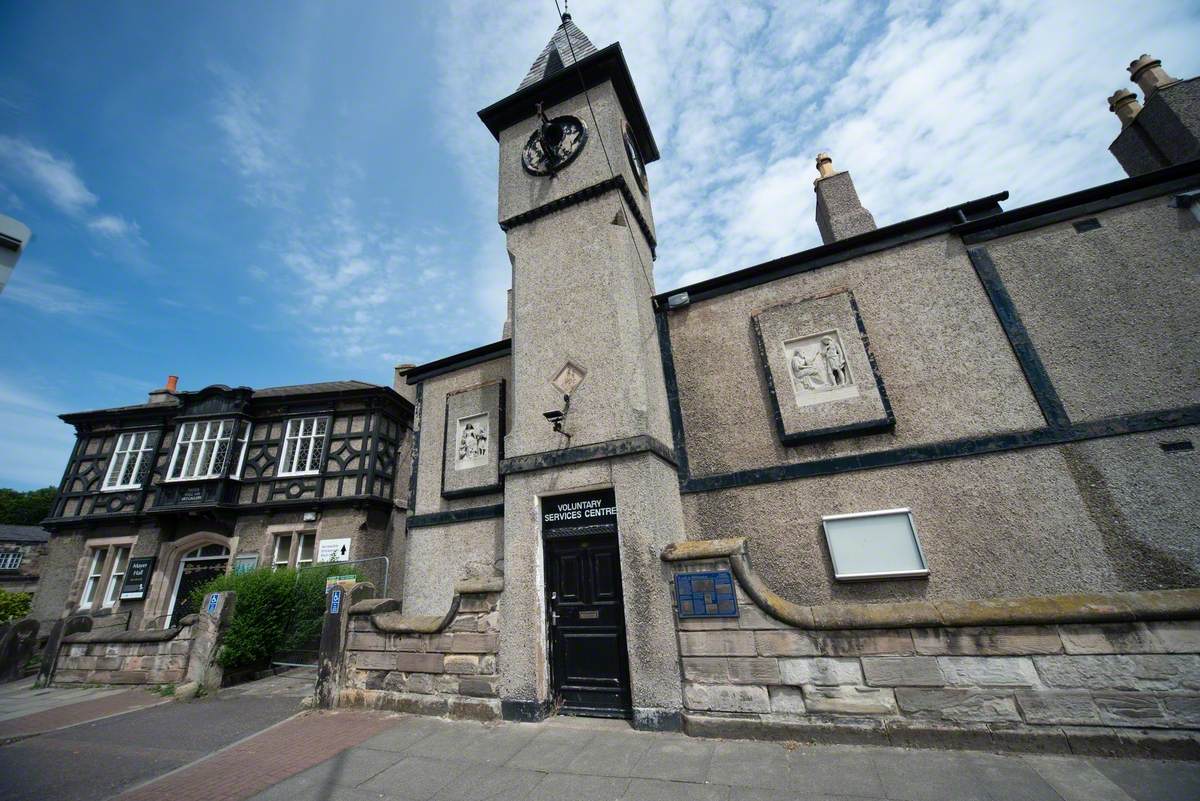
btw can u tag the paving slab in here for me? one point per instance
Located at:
(830, 771)
(680, 759)
(763, 765)
(1152, 779)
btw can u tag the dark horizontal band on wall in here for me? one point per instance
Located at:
(1087, 201)
(299, 504)
(952, 449)
(456, 516)
(642, 443)
(587, 193)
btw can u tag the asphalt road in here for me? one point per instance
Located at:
(100, 759)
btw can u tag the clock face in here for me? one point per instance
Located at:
(635, 160)
(553, 145)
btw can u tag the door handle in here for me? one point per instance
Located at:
(553, 617)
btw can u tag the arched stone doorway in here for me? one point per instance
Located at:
(186, 563)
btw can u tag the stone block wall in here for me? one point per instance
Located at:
(429, 666)
(126, 657)
(1104, 686)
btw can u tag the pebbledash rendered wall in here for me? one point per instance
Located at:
(1117, 673)
(1107, 310)
(439, 553)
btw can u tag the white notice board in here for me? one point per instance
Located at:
(333, 550)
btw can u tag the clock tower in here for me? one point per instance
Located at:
(589, 423)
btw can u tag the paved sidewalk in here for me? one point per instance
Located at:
(270, 757)
(424, 759)
(25, 711)
(104, 757)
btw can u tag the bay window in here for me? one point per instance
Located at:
(201, 449)
(131, 461)
(303, 446)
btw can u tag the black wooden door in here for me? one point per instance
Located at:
(194, 574)
(589, 664)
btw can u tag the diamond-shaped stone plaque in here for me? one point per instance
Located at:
(568, 378)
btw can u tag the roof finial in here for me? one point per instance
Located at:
(566, 15)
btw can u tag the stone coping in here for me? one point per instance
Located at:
(386, 616)
(138, 635)
(1117, 607)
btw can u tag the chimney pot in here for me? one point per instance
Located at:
(1124, 104)
(1147, 72)
(824, 166)
(172, 383)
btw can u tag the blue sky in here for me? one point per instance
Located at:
(273, 193)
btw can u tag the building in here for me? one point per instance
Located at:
(21, 552)
(968, 405)
(159, 497)
(958, 451)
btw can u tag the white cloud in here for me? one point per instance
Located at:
(56, 179)
(38, 287)
(927, 104)
(34, 443)
(349, 276)
(53, 176)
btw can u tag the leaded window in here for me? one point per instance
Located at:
(10, 560)
(131, 461)
(303, 446)
(201, 449)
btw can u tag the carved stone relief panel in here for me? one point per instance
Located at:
(471, 439)
(819, 372)
(473, 435)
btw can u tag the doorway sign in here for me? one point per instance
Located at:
(333, 550)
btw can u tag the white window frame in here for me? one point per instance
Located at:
(301, 537)
(11, 560)
(286, 561)
(245, 440)
(293, 436)
(95, 572)
(202, 438)
(135, 445)
(116, 576)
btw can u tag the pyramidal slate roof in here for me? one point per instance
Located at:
(557, 53)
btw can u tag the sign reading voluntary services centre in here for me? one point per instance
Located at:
(597, 507)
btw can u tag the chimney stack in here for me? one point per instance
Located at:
(165, 394)
(401, 385)
(1164, 129)
(1147, 72)
(840, 214)
(1125, 105)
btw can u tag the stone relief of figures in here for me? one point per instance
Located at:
(819, 368)
(471, 442)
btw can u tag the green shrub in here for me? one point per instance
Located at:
(276, 610)
(14, 605)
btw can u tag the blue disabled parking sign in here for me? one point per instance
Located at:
(335, 602)
(212, 603)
